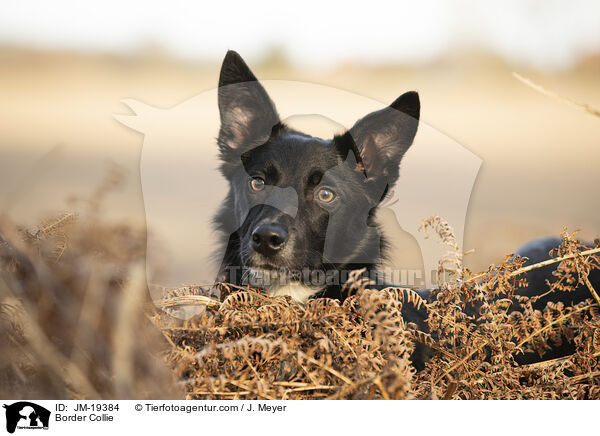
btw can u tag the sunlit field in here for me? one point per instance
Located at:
(73, 241)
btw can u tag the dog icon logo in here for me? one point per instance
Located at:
(26, 415)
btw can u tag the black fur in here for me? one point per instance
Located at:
(538, 284)
(358, 166)
(283, 227)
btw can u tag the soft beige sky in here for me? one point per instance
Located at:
(540, 33)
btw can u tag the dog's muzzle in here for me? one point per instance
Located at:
(268, 239)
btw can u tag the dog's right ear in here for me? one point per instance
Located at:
(247, 113)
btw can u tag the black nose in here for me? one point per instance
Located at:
(268, 239)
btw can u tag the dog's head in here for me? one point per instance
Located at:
(298, 202)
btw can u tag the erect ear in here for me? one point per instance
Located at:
(247, 112)
(381, 138)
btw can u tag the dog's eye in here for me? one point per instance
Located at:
(325, 195)
(257, 184)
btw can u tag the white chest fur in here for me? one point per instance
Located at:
(297, 291)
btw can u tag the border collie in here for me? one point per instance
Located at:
(299, 215)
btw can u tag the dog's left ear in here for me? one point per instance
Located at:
(247, 112)
(381, 138)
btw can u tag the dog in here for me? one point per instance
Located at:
(299, 215)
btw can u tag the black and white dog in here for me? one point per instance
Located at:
(299, 213)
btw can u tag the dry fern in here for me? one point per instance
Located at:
(80, 325)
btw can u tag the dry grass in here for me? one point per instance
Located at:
(77, 323)
(253, 346)
(542, 90)
(74, 312)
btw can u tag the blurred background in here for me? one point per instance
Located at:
(65, 66)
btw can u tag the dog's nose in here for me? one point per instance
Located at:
(268, 239)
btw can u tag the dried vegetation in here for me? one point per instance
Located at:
(77, 322)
